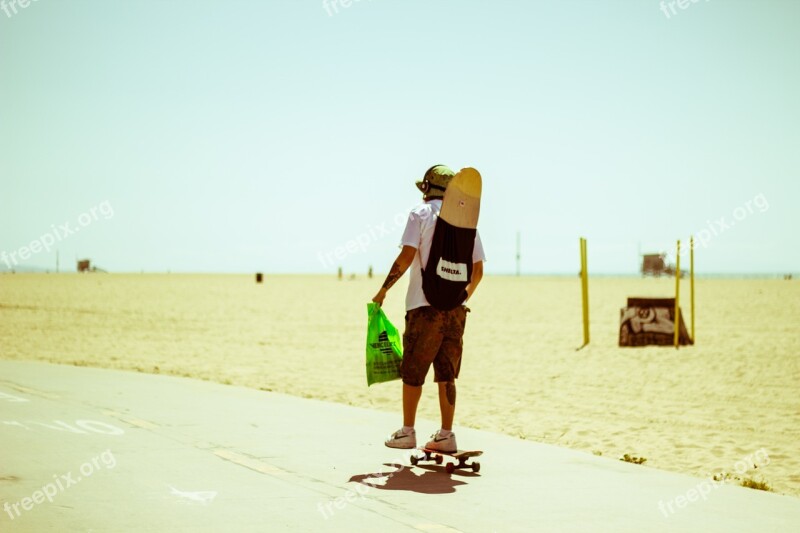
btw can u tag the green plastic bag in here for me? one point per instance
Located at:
(384, 347)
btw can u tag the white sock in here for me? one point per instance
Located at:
(444, 432)
(408, 429)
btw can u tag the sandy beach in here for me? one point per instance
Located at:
(698, 410)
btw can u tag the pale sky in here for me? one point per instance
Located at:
(245, 136)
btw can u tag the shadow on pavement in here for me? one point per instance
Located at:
(434, 480)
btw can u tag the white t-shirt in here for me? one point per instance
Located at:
(419, 234)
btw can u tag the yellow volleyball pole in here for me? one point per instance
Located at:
(585, 291)
(676, 338)
(691, 280)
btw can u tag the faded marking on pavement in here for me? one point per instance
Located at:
(252, 463)
(81, 427)
(10, 398)
(436, 527)
(32, 392)
(13, 423)
(137, 422)
(203, 497)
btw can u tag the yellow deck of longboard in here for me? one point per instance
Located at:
(462, 199)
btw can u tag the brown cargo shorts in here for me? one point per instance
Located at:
(432, 336)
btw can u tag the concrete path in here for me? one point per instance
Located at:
(83, 449)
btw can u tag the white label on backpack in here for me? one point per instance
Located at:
(451, 271)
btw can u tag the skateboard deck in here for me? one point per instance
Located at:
(438, 456)
(462, 199)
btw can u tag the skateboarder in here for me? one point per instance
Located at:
(431, 336)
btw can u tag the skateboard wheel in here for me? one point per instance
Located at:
(476, 467)
(439, 459)
(414, 460)
(450, 468)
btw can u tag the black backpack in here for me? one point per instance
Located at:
(449, 268)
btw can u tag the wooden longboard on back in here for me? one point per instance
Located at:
(462, 199)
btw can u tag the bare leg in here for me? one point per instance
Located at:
(411, 396)
(447, 403)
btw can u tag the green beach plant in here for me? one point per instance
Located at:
(633, 459)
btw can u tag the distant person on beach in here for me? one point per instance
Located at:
(431, 336)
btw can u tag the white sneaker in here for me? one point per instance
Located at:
(443, 444)
(398, 439)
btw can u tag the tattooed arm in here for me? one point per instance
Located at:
(399, 268)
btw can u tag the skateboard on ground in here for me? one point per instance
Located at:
(461, 206)
(438, 457)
